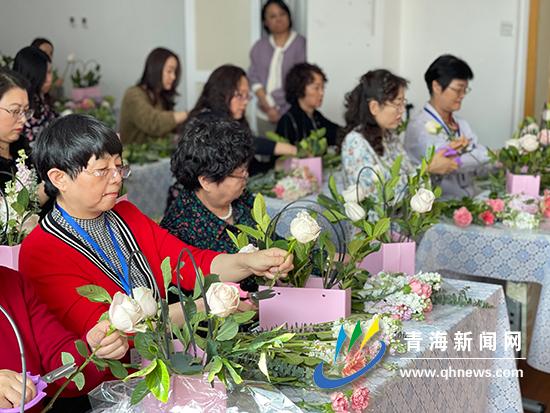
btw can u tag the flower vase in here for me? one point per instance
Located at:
(9, 256)
(315, 166)
(523, 184)
(391, 257)
(312, 304)
(80, 93)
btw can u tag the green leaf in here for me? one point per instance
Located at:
(158, 381)
(254, 233)
(104, 316)
(259, 209)
(67, 358)
(139, 392)
(82, 348)
(117, 369)
(146, 346)
(243, 317)
(233, 238)
(94, 293)
(23, 198)
(144, 371)
(182, 334)
(228, 330)
(166, 272)
(262, 365)
(79, 381)
(234, 375)
(215, 367)
(381, 227)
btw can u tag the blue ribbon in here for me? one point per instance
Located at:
(123, 277)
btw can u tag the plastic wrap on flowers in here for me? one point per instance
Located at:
(114, 397)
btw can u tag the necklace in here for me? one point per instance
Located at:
(229, 213)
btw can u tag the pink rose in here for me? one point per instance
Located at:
(544, 137)
(497, 205)
(420, 288)
(360, 399)
(279, 191)
(339, 402)
(462, 217)
(487, 217)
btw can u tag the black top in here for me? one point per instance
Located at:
(295, 125)
(8, 165)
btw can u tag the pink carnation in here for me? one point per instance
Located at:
(279, 191)
(360, 399)
(339, 402)
(462, 217)
(487, 217)
(497, 205)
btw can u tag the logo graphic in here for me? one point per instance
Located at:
(326, 383)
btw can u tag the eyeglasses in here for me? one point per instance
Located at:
(17, 113)
(398, 105)
(460, 91)
(123, 171)
(242, 96)
(245, 176)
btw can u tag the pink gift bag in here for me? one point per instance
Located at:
(523, 184)
(310, 305)
(9, 256)
(315, 166)
(81, 93)
(394, 257)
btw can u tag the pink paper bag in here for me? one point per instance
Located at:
(9, 256)
(523, 184)
(394, 257)
(315, 166)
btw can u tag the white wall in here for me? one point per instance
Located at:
(119, 34)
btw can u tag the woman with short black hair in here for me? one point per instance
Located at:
(147, 109)
(304, 90)
(213, 180)
(36, 67)
(88, 238)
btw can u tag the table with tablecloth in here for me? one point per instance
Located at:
(147, 187)
(501, 253)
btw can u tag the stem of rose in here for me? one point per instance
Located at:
(72, 376)
(278, 273)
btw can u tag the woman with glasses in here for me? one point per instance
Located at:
(437, 125)
(147, 109)
(88, 238)
(36, 67)
(374, 110)
(304, 90)
(212, 178)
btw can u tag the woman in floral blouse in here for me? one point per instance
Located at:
(211, 166)
(373, 113)
(36, 67)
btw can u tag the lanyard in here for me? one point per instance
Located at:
(442, 124)
(124, 276)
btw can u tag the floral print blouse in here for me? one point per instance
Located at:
(358, 153)
(43, 115)
(188, 219)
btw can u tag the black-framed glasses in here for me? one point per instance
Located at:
(17, 113)
(245, 176)
(461, 90)
(123, 171)
(242, 96)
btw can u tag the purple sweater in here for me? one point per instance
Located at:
(260, 60)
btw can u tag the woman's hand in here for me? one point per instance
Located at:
(273, 114)
(459, 143)
(11, 389)
(283, 148)
(180, 117)
(113, 346)
(442, 165)
(269, 263)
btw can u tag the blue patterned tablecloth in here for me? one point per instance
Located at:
(501, 253)
(393, 392)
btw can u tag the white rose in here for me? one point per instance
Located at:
(223, 299)
(530, 129)
(30, 223)
(422, 201)
(126, 314)
(432, 127)
(66, 112)
(304, 228)
(529, 143)
(145, 299)
(247, 249)
(106, 104)
(546, 115)
(351, 192)
(354, 211)
(512, 143)
(71, 58)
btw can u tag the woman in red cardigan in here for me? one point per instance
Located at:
(87, 239)
(44, 338)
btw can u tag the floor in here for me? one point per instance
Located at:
(535, 384)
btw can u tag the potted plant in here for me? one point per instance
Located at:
(85, 78)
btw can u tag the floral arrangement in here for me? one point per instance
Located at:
(88, 75)
(403, 297)
(101, 109)
(152, 151)
(297, 184)
(19, 205)
(315, 144)
(528, 152)
(408, 211)
(515, 211)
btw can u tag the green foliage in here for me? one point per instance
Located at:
(152, 151)
(86, 76)
(94, 293)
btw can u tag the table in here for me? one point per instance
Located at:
(147, 187)
(390, 392)
(496, 252)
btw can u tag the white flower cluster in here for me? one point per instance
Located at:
(523, 220)
(432, 278)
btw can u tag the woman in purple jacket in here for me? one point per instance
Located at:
(270, 60)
